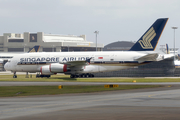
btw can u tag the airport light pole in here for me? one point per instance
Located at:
(174, 40)
(96, 32)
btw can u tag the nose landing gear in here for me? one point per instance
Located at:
(14, 76)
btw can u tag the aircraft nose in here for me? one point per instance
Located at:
(6, 66)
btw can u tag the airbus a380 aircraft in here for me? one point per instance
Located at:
(84, 64)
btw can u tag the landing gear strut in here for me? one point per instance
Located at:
(14, 76)
(27, 76)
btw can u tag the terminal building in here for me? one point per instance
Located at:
(119, 46)
(11, 42)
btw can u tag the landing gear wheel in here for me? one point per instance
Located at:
(81, 75)
(14, 76)
(91, 75)
(37, 76)
(72, 76)
(76, 76)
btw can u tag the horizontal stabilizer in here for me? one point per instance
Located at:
(148, 57)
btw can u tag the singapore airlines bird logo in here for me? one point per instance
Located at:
(147, 38)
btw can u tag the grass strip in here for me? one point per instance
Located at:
(66, 78)
(7, 91)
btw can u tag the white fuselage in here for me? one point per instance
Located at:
(101, 61)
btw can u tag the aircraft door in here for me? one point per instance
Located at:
(112, 57)
(17, 67)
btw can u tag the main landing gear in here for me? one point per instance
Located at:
(81, 75)
(27, 76)
(14, 76)
(41, 76)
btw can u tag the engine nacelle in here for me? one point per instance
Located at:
(53, 69)
(58, 68)
(45, 70)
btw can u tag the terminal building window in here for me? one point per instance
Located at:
(15, 49)
(15, 40)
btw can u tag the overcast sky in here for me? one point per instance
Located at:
(116, 20)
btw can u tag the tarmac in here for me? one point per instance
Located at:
(151, 103)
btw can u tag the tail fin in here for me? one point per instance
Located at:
(34, 49)
(150, 38)
(167, 49)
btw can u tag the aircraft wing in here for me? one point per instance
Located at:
(80, 63)
(148, 57)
